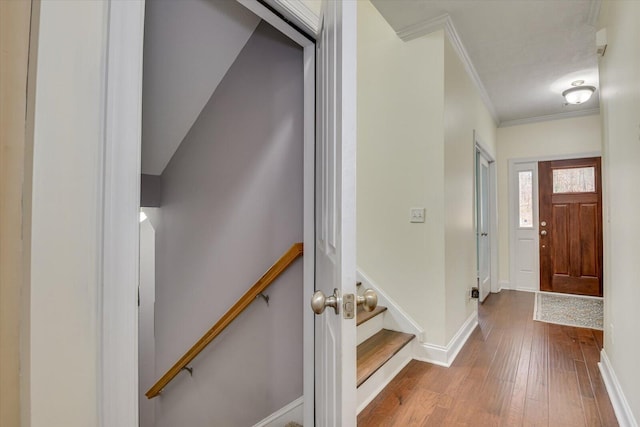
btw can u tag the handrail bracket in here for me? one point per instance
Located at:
(264, 297)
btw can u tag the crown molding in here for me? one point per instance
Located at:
(450, 29)
(301, 13)
(557, 116)
(423, 28)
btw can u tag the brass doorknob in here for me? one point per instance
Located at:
(543, 233)
(319, 302)
(368, 300)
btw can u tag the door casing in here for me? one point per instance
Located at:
(119, 202)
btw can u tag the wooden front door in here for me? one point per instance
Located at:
(571, 226)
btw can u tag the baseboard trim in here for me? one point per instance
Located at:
(291, 412)
(503, 284)
(526, 290)
(618, 400)
(445, 355)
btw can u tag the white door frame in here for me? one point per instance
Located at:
(513, 219)
(120, 203)
(480, 146)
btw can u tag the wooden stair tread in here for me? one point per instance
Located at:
(362, 316)
(377, 350)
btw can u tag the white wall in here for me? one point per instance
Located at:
(65, 235)
(580, 135)
(188, 48)
(401, 165)
(464, 112)
(620, 104)
(232, 204)
(417, 111)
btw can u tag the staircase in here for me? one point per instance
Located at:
(381, 353)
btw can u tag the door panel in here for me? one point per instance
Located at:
(588, 239)
(335, 337)
(561, 239)
(483, 226)
(571, 241)
(525, 255)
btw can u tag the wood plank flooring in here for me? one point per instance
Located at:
(511, 372)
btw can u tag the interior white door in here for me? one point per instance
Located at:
(524, 252)
(335, 336)
(483, 226)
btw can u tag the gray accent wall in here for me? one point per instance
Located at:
(232, 203)
(150, 191)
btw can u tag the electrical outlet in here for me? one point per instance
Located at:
(417, 214)
(474, 293)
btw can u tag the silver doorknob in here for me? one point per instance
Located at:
(368, 300)
(319, 302)
(543, 233)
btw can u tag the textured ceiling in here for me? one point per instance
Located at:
(189, 46)
(525, 52)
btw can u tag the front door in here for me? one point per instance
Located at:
(335, 240)
(571, 226)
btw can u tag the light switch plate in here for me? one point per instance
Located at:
(417, 214)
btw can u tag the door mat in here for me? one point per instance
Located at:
(570, 310)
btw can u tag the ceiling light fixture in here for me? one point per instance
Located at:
(578, 94)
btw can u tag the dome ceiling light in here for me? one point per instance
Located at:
(578, 94)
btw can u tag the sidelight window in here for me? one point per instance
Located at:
(525, 197)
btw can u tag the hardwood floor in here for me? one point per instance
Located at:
(511, 372)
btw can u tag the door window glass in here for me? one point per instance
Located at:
(525, 197)
(574, 180)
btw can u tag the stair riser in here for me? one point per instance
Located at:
(383, 376)
(369, 328)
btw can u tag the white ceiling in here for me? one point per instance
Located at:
(525, 52)
(189, 46)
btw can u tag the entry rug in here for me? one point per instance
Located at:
(570, 310)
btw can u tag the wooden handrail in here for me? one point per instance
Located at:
(267, 278)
